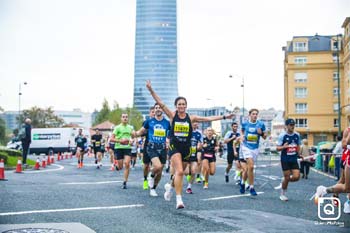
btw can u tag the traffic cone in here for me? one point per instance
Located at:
(37, 165)
(48, 160)
(66, 155)
(43, 163)
(2, 170)
(19, 166)
(58, 156)
(52, 159)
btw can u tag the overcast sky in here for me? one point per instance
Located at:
(75, 53)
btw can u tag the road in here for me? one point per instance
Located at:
(68, 199)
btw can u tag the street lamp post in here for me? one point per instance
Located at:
(19, 104)
(242, 85)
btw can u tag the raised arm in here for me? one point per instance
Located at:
(195, 118)
(159, 101)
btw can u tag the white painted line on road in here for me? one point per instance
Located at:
(60, 167)
(228, 197)
(100, 182)
(70, 210)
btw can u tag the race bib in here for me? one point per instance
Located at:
(292, 150)
(181, 129)
(97, 143)
(208, 155)
(252, 138)
(159, 133)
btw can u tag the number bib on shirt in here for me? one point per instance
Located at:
(252, 138)
(159, 133)
(181, 129)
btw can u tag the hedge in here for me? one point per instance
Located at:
(5, 153)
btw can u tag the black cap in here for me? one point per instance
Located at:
(290, 121)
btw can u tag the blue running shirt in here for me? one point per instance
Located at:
(157, 130)
(291, 153)
(251, 137)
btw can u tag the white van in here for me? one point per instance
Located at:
(53, 140)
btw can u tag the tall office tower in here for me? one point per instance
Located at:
(155, 53)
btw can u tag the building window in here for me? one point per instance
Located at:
(300, 92)
(300, 47)
(335, 76)
(335, 123)
(335, 107)
(335, 45)
(300, 60)
(335, 57)
(335, 91)
(301, 123)
(300, 108)
(300, 77)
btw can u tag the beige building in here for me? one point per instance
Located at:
(313, 73)
(346, 62)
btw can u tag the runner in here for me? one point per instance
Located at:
(210, 146)
(180, 140)
(121, 135)
(289, 146)
(133, 152)
(344, 185)
(80, 141)
(157, 130)
(111, 150)
(145, 158)
(196, 146)
(96, 141)
(250, 136)
(232, 151)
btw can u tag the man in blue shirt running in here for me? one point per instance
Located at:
(251, 132)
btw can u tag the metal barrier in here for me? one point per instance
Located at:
(322, 162)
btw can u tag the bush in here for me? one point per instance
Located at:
(5, 153)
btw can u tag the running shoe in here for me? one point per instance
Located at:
(252, 192)
(242, 189)
(321, 191)
(205, 185)
(189, 191)
(226, 178)
(247, 187)
(198, 180)
(335, 201)
(167, 194)
(283, 197)
(145, 185)
(123, 186)
(180, 205)
(188, 178)
(153, 193)
(150, 181)
(347, 207)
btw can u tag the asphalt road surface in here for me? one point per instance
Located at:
(62, 198)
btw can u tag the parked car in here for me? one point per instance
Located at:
(14, 144)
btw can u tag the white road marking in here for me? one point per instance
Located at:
(100, 182)
(228, 197)
(60, 167)
(69, 210)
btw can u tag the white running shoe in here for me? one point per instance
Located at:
(283, 197)
(321, 191)
(180, 205)
(150, 182)
(153, 193)
(347, 207)
(167, 194)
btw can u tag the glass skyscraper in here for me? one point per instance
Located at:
(155, 53)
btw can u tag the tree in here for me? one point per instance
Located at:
(103, 114)
(2, 131)
(135, 117)
(41, 118)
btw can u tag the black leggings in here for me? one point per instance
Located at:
(305, 166)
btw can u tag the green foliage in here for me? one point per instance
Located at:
(9, 155)
(2, 132)
(103, 114)
(41, 118)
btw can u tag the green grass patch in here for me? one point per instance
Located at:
(10, 157)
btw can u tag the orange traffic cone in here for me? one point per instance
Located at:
(66, 155)
(19, 166)
(52, 159)
(43, 163)
(2, 170)
(37, 165)
(48, 160)
(58, 156)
